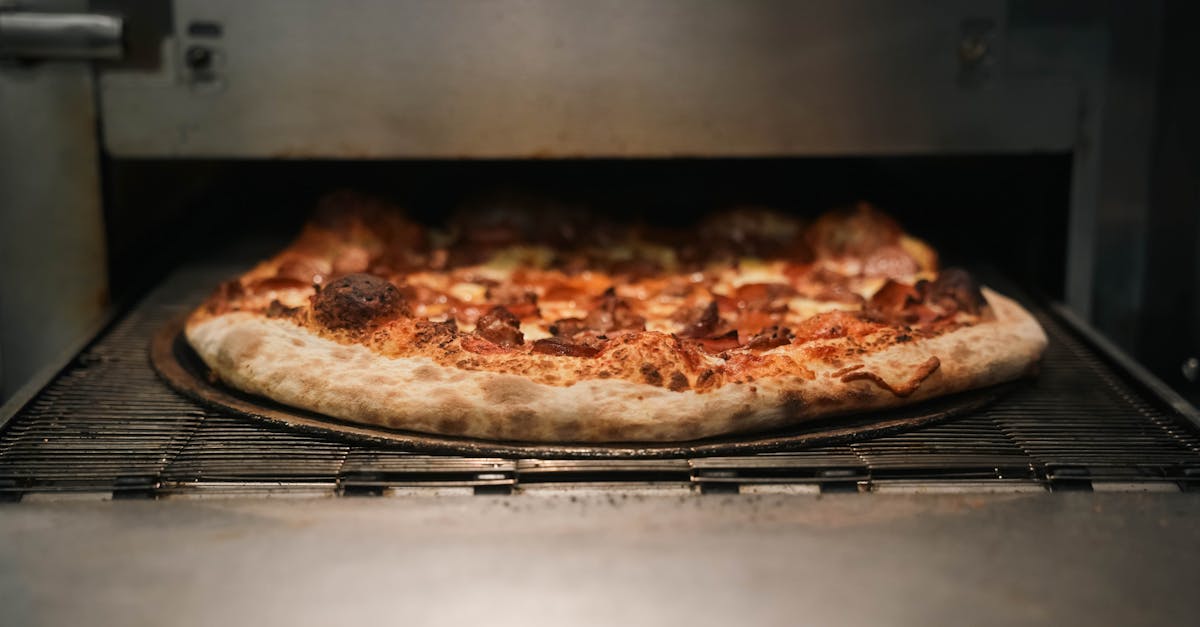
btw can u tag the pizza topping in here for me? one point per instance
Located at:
(894, 298)
(613, 313)
(276, 283)
(761, 296)
(721, 343)
(753, 232)
(835, 324)
(771, 337)
(499, 326)
(955, 289)
(517, 299)
(568, 327)
(352, 260)
(356, 301)
(826, 285)
(559, 346)
(856, 232)
(480, 346)
(226, 297)
(704, 323)
(278, 310)
(890, 261)
(636, 268)
(616, 300)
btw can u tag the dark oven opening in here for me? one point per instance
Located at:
(1005, 213)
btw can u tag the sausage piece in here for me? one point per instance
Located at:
(499, 326)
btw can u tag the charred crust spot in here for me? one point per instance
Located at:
(771, 337)
(792, 403)
(357, 301)
(678, 382)
(243, 345)
(651, 374)
(560, 347)
(568, 431)
(705, 377)
(742, 414)
(521, 417)
(439, 333)
(428, 373)
(452, 426)
(508, 389)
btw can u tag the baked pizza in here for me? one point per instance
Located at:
(540, 324)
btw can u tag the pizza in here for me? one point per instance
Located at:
(528, 322)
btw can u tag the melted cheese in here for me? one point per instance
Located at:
(468, 292)
(533, 331)
(800, 308)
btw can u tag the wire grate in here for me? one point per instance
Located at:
(108, 424)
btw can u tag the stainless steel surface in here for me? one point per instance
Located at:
(580, 559)
(108, 426)
(32, 36)
(53, 280)
(548, 78)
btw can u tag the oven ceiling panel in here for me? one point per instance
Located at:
(550, 78)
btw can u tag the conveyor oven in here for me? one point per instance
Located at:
(217, 125)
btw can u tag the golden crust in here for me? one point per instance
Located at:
(282, 360)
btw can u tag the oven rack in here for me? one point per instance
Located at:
(107, 427)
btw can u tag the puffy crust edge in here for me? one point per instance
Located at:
(283, 361)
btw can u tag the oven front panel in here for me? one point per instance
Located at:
(546, 78)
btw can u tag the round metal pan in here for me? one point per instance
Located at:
(182, 369)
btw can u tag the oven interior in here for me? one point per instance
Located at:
(1020, 139)
(1091, 420)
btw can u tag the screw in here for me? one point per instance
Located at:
(972, 49)
(198, 58)
(1191, 369)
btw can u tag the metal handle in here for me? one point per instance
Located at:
(82, 36)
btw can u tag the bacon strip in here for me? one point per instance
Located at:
(705, 324)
